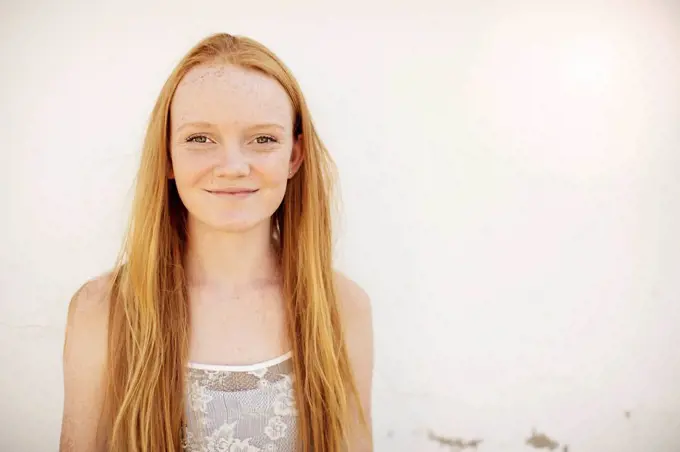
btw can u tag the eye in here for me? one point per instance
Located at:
(265, 139)
(200, 139)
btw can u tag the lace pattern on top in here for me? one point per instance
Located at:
(250, 410)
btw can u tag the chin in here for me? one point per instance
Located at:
(238, 225)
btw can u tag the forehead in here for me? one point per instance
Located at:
(229, 94)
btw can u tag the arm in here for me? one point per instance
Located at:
(84, 366)
(358, 328)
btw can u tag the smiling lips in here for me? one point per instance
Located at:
(233, 192)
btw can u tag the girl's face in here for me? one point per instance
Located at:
(231, 146)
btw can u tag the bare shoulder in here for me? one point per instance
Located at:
(84, 364)
(91, 299)
(353, 298)
(86, 325)
(87, 317)
(357, 319)
(356, 314)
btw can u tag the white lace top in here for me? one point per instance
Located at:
(241, 408)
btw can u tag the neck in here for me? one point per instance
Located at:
(229, 260)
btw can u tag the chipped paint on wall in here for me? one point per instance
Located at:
(539, 440)
(458, 443)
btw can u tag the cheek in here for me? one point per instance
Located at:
(187, 169)
(274, 169)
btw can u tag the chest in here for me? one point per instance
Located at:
(237, 329)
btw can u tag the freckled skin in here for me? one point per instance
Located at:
(235, 152)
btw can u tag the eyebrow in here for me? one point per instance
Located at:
(204, 124)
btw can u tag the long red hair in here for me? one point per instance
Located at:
(149, 313)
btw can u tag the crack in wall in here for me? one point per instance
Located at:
(458, 443)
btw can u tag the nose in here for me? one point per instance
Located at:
(231, 162)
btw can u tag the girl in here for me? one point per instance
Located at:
(223, 327)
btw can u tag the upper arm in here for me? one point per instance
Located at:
(84, 367)
(357, 320)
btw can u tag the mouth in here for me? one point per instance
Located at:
(233, 192)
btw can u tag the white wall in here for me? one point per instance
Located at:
(511, 200)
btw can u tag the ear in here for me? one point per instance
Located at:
(296, 157)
